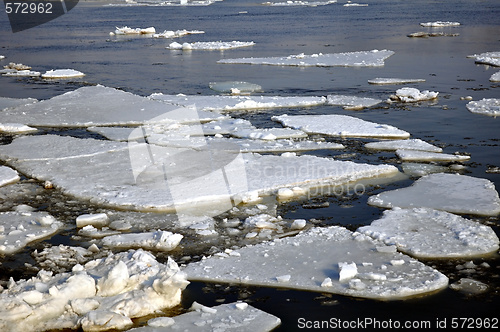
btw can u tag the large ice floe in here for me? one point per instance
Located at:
(407, 144)
(103, 294)
(340, 125)
(18, 229)
(411, 95)
(387, 81)
(231, 317)
(428, 233)
(447, 192)
(216, 45)
(327, 260)
(373, 58)
(8, 176)
(485, 106)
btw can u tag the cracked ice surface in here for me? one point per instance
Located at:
(101, 295)
(314, 260)
(429, 233)
(407, 144)
(340, 125)
(373, 58)
(485, 106)
(446, 192)
(237, 317)
(8, 176)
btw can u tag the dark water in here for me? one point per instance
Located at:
(141, 65)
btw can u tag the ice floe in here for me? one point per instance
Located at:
(411, 95)
(22, 73)
(373, 58)
(8, 176)
(487, 58)
(407, 144)
(327, 260)
(495, 77)
(2, 57)
(96, 219)
(299, 3)
(440, 24)
(159, 240)
(417, 169)
(340, 125)
(447, 192)
(173, 3)
(17, 66)
(380, 80)
(177, 33)
(485, 106)
(238, 316)
(423, 34)
(18, 229)
(216, 45)
(103, 294)
(469, 286)
(352, 102)
(62, 73)
(235, 87)
(354, 4)
(416, 155)
(429, 233)
(16, 128)
(133, 31)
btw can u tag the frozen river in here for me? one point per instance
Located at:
(145, 66)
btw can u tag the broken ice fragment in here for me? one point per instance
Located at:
(380, 80)
(495, 77)
(352, 102)
(440, 24)
(218, 45)
(98, 220)
(469, 286)
(407, 144)
(133, 31)
(22, 73)
(415, 155)
(159, 240)
(8, 176)
(347, 271)
(16, 128)
(485, 106)
(411, 95)
(228, 87)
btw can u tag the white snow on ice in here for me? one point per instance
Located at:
(485, 106)
(411, 95)
(487, 58)
(16, 128)
(216, 45)
(447, 192)
(416, 155)
(133, 31)
(62, 73)
(495, 77)
(380, 80)
(428, 233)
(407, 144)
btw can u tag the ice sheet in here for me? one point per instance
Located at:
(485, 106)
(411, 95)
(18, 229)
(8, 176)
(429, 233)
(487, 58)
(447, 192)
(102, 295)
(62, 73)
(380, 80)
(407, 144)
(416, 169)
(373, 58)
(237, 317)
(313, 261)
(340, 125)
(352, 102)
(415, 155)
(216, 45)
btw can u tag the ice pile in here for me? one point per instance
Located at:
(440, 24)
(327, 260)
(407, 144)
(231, 317)
(17, 66)
(159, 240)
(428, 233)
(62, 258)
(446, 192)
(133, 31)
(380, 80)
(411, 95)
(217, 45)
(487, 58)
(8, 176)
(373, 58)
(340, 125)
(103, 294)
(62, 73)
(485, 106)
(18, 229)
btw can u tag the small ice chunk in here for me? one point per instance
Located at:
(417, 169)
(440, 24)
(327, 282)
(410, 95)
(285, 193)
(347, 271)
(469, 286)
(161, 322)
(134, 31)
(8, 176)
(62, 73)
(96, 220)
(298, 224)
(380, 80)
(159, 240)
(284, 278)
(495, 77)
(407, 144)
(485, 106)
(22, 73)
(415, 155)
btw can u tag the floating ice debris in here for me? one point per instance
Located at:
(231, 86)
(410, 95)
(102, 106)
(423, 34)
(16, 128)
(416, 155)
(428, 233)
(2, 57)
(96, 233)
(62, 73)
(22, 73)
(13, 102)
(97, 220)
(299, 3)
(416, 169)
(440, 24)
(380, 80)
(487, 58)
(317, 254)
(62, 258)
(231, 317)
(159, 240)
(340, 125)
(177, 33)
(282, 145)
(495, 77)
(352, 102)
(174, 3)
(269, 133)
(374, 58)
(447, 192)
(354, 4)
(17, 229)
(133, 31)
(407, 144)
(17, 66)
(216, 45)
(485, 106)
(101, 295)
(8, 176)
(469, 286)
(233, 103)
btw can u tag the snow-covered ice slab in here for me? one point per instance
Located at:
(381, 80)
(98, 106)
(327, 260)
(487, 58)
(104, 294)
(177, 33)
(416, 155)
(374, 58)
(352, 102)
(340, 125)
(8, 176)
(234, 87)
(16, 128)
(354, 4)
(22, 73)
(299, 3)
(17, 229)
(133, 31)
(495, 77)
(440, 24)
(233, 103)
(235, 317)
(216, 45)
(447, 192)
(485, 106)
(417, 169)
(159, 240)
(411, 95)
(62, 73)
(13, 102)
(407, 144)
(429, 233)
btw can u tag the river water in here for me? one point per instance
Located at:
(142, 65)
